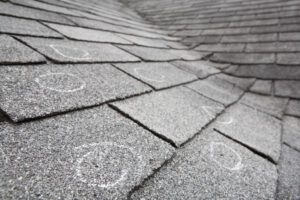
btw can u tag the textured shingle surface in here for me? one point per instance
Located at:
(160, 99)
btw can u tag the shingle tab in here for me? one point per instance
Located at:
(287, 88)
(39, 90)
(158, 75)
(217, 89)
(289, 174)
(212, 167)
(291, 132)
(201, 69)
(268, 104)
(13, 52)
(176, 114)
(25, 27)
(21, 11)
(244, 58)
(75, 52)
(91, 154)
(254, 129)
(85, 34)
(150, 54)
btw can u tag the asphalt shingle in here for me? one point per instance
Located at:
(158, 75)
(293, 108)
(14, 52)
(291, 132)
(212, 167)
(269, 104)
(19, 26)
(217, 89)
(176, 114)
(75, 52)
(254, 129)
(150, 54)
(91, 154)
(78, 33)
(201, 69)
(289, 174)
(39, 90)
(21, 11)
(287, 88)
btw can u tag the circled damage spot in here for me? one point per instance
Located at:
(60, 82)
(106, 165)
(225, 156)
(70, 52)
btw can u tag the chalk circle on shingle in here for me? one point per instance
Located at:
(149, 75)
(70, 52)
(209, 110)
(225, 156)
(61, 82)
(106, 165)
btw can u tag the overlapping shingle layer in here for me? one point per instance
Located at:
(149, 99)
(260, 37)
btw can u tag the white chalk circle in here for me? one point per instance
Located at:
(149, 75)
(60, 82)
(70, 52)
(209, 110)
(107, 165)
(225, 156)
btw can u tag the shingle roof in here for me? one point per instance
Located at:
(136, 99)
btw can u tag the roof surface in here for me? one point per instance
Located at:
(136, 99)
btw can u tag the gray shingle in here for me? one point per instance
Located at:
(39, 90)
(21, 11)
(293, 108)
(288, 58)
(14, 52)
(262, 87)
(158, 75)
(212, 167)
(268, 71)
(176, 114)
(201, 69)
(287, 88)
(289, 174)
(273, 47)
(85, 34)
(268, 104)
(217, 89)
(221, 47)
(75, 52)
(291, 132)
(95, 153)
(249, 38)
(243, 83)
(254, 129)
(244, 58)
(150, 54)
(25, 27)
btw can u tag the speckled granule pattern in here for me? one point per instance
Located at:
(160, 99)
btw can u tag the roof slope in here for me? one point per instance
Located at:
(149, 99)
